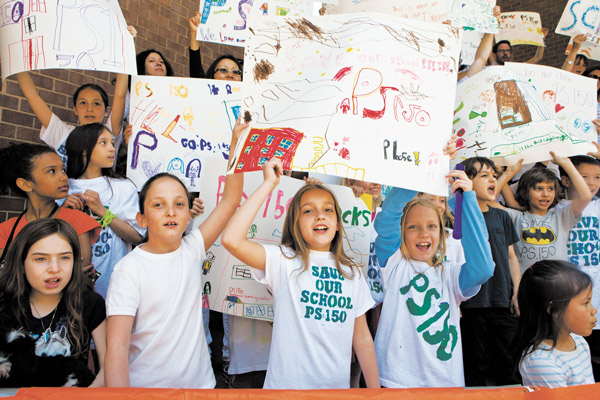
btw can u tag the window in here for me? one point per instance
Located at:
(285, 143)
(262, 160)
(247, 149)
(269, 140)
(254, 137)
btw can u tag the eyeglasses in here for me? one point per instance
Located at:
(504, 51)
(225, 71)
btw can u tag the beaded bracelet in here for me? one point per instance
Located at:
(107, 219)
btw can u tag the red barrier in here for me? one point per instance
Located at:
(584, 392)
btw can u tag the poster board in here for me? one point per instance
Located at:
(421, 10)
(474, 14)
(226, 21)
(506, 116)
(363, 96)
(469, 45)
(177, 123)
(90, 35)
(228, 286)
(521, 28)
(581, 16)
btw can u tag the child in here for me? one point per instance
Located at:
(583, 244)
(90, 104)
(114, 202)
(323, 324)
(43, 298)
(36, 172)
(488, 319)
(556, 310)
(454, 248)
(420, 315)
(155, 332)
(543, 229)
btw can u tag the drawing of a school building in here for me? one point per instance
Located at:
(263, 144)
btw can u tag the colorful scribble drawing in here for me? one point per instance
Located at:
(38, 34)
(476, 14)
(347, 86)
(507, 117)
(162, 114)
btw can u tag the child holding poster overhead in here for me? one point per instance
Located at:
(320, 296)
(420, 315)
(543, 229)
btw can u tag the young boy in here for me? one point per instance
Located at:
(488, 319)
(584, 239)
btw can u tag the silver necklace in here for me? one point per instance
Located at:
(45, 332)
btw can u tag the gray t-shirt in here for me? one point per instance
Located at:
(542, 237)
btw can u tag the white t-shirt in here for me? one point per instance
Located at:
(555, 368)
(55, 135)
(121, 198)
(249, 344)
(314, 320)
(583, 247)
(454, 249)
(418, 340)
(163, 292)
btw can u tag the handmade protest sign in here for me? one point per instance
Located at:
(507, 113)
(422, 10)
(571, 97)
(364, 96)
(581, 16)
(227, 282)
(90, 35)
(469, 45)
(588, 49)
(521, 28)
(226, 21)
(177, 122)
(474, 14)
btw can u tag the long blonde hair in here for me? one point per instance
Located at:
(292, 237)
(438, 258)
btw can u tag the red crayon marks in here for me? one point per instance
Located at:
(342, 73)
(263, 144)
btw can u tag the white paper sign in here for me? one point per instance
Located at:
(588, 49)
(521, 28)
(226, 21)
(468, 48)
(177, 122)
(88, 35)
(228, 285)
(507, 116)
(475, 14)
(422, 10)
(581, 16)
(364, 96)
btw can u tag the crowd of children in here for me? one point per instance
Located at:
(92, 267)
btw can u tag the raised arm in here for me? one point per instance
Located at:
(577, 41)
(539, 53)
(484, 50)
(387, 223)
(118, 108)
(479, 265)
(213, 226)
(196, 70)
(234, 236)
(37, 104)
(584, 196)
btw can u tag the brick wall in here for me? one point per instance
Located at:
(161, 25)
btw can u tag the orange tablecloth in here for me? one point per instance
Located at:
(585, 392)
